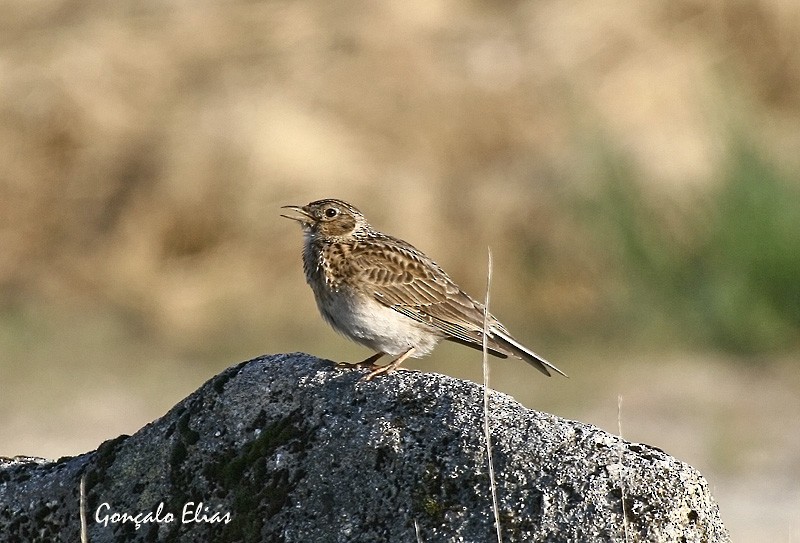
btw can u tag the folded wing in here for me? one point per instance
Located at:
(412, 284)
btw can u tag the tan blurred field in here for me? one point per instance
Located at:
(632, 166)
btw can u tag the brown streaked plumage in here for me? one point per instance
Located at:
(385, 294)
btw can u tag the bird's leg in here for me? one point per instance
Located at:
(388, 368)
(369, 363)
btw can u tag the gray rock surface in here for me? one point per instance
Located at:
(289, 448)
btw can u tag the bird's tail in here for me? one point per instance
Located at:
(517, 349)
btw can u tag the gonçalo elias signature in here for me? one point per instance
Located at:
(192, 512)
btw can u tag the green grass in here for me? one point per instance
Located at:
(719, 269)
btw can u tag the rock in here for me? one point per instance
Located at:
(289, 448)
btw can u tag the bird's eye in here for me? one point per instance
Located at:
(331, 212)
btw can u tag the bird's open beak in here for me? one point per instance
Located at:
(305, 219)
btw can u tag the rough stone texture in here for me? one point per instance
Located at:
(299, 451)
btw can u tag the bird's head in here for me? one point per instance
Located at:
(329, 219)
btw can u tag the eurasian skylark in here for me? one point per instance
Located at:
(383, 293)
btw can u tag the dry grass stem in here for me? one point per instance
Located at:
(486, 430)
(622, 474)
(417, 532)
(84, 531)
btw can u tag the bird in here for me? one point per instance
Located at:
(385, 294)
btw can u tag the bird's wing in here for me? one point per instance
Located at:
(404, 279)
(407, 281)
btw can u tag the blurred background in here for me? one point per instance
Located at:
(632, 165)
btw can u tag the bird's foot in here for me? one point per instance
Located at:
(378, 370)
(388, 368)
(369, 363)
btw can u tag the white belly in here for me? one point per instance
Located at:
(378, 327)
